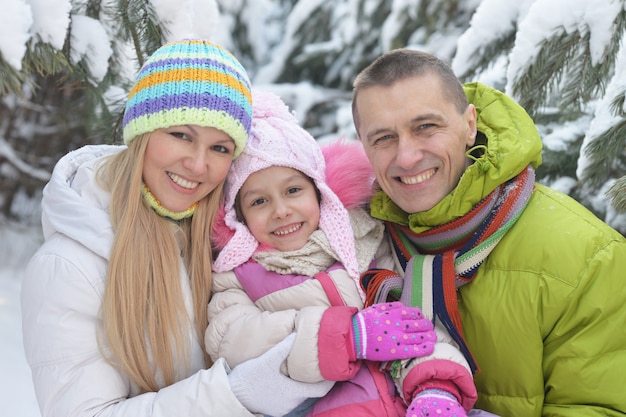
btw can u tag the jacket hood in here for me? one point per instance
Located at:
(74, 205)
(511, 143)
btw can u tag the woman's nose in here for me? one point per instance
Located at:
(196, 162)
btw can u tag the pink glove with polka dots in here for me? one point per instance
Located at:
(435, 402)
(391, 331)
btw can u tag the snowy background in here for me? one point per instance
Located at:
(17, 398)
(308, 51)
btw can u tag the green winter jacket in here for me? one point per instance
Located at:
(545, 316)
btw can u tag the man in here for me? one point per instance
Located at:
(530, 284)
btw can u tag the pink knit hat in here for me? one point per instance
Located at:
(276, 139)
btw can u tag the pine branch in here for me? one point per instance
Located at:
(8, 154)
(617, 194)
(488, 54)
(545, 74)
(562, 163)
(139, 25)
(11, 81)
(607, 152)
(564, 72)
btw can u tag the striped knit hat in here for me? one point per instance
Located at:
(194, 82)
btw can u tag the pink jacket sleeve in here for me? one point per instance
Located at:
(336, 359)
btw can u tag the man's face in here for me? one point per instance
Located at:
(415, 140)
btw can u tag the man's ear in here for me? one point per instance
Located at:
(470, 118)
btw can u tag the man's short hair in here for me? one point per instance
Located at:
(400, 64)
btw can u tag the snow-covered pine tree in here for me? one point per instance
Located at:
(562, 61)
(67, 90)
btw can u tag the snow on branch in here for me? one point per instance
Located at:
(7, 152)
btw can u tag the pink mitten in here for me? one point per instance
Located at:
(436, 403)
(390, 331)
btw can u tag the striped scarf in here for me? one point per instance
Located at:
(440, 260)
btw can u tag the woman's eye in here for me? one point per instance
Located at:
(221, 149)
(224, 147)
(180, 135)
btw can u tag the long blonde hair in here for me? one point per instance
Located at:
(143, 311)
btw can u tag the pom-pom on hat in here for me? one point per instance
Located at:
(190, 81)
(276, 139)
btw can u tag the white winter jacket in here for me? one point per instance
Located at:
(61, 296)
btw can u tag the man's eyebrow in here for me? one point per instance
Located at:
(427, 116)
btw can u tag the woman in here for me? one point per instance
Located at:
(114, 303)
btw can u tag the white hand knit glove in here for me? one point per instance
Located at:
(259, 385)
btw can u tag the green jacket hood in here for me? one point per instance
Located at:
(511, 143)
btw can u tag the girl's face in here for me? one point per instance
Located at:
(183, 164)
(280, 207)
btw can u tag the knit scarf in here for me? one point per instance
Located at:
(440, 260)
(153, 203)
(317, 254)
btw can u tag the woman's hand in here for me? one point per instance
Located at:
(261, 387)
